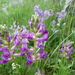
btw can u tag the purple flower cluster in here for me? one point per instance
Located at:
(66, 50)
(20, 39)
(46, 14)
(60, 14)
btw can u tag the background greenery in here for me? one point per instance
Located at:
(21, 13)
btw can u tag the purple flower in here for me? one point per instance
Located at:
(44, 37)
(3, 9)
(41, 20)
(63, 11)
(30, 35)
(59, 14)
(24, 33)
(39, 72)
(30, 23)
(29, 60)
(66, 44)
(16, 33)
(14, 2)
(1, 41)
(42, 54)
(43, 73)
(17, 41)
(66, 50)
(24, 47)
(9, 37)
(53, 22)
(20, 1)
(40, 44)
(36, 8)
(41, 28)
(46, 13)
(39, 12)
(5, 56)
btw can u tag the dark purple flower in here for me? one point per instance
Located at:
(42, 54)
(30, 35)
(41, 28)
(5, 56)
(40, 44)
(40, 25)
(29, 60)
(44, 37)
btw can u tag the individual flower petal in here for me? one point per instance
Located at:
(42, 54)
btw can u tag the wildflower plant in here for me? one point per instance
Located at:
(20, 38)
(66, 50)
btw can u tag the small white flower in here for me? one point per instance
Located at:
(13, 67)
(58, 24)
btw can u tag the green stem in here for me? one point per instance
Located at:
(36, 63)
